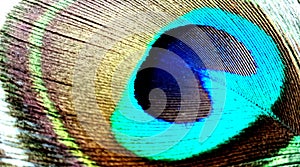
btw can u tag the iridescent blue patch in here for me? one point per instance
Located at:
(236, 100)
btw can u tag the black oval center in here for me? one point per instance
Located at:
(190, 44)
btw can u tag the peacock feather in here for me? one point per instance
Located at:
(151, 83)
